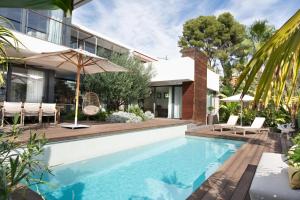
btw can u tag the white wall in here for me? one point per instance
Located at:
(31, 46)
(174, 69)
(213, 81)
(77, 150)
(181, 69)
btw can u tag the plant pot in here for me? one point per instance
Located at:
(294, 177)
(210, 119)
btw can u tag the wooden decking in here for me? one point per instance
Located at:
(57, 133)
(223, 183)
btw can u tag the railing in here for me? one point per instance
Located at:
(58, 32)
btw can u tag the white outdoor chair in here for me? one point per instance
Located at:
(48, 110)
(10, 109)
(256, 126)
(31, 110)
(232, 120)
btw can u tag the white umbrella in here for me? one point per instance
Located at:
(75, 60)
(237, 98)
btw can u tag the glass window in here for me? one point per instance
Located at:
(14, 15)
(37, 23)
(89, 47)
(27, 85)
(64, 91)
(103, 52)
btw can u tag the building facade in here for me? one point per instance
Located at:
(183, 88)
(46, 31)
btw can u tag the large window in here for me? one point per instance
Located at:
(27, 85)
(65, 91)
(14, 15)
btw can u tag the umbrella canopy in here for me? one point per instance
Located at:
(237, 98)
(75, 60)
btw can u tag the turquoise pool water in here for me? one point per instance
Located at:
(167, 170)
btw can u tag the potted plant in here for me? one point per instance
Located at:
(210, 116)
(294, 163)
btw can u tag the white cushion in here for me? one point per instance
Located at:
(271, 179)
(232, 120)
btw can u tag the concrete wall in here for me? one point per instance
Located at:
(77, 150)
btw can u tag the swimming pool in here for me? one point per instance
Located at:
(171, 169)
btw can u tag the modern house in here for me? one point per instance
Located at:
(45, 31)
(183, 88)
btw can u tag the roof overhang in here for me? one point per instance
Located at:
(78, 3)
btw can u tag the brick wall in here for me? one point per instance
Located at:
(199, 85)
(187, 100)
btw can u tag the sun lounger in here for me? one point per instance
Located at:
(255, 127)
(229, 125)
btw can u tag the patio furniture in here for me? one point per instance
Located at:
(49, 109)
(31, 110)
(232, 120)
(90, 104)
(271, 179)
(79, 61)
(255, 127)
(10, 109)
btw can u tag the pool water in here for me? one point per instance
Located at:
(167, 170)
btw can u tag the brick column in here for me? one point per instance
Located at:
(200, 83)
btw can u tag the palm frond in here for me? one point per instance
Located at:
(278, 59)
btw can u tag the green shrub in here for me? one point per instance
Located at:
(135, 109)
(19, 162)
(296, 139)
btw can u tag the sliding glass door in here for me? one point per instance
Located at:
(27, 85)
(165, 101)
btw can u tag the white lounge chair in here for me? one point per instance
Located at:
(31, 110)
(49, 109)
(232, 120)
(256, 126)
(10, 109)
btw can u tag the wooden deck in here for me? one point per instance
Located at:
(223, 183)
(57, 133)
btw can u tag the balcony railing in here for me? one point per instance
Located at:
(58, 32)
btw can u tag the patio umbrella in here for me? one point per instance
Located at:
(237, 98)
(78, 61)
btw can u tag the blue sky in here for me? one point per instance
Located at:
(154, 26)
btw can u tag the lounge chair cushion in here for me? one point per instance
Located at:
(271, 179)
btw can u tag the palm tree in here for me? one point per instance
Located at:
(259, 32)
(7, 40)
(279, 60)
(65, 5)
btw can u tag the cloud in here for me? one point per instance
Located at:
(154, 26)
(150, 26)
(247, 11)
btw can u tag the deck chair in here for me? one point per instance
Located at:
(10, 109)
(256, 126)
(232, 120)
(49, 109)
(31, 110)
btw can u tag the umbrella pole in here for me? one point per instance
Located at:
(242, 113)
(77, 93)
